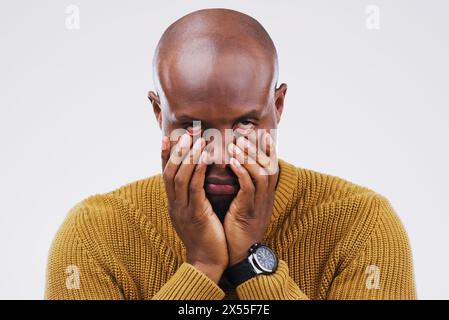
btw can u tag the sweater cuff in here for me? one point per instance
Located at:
(188, 283)
(276, 286)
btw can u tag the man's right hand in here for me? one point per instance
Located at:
(190, 211)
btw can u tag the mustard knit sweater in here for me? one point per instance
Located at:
(334, 240)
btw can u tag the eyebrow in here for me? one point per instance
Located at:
(253, 113)
(186, 118)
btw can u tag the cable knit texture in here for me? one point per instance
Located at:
(334, 240)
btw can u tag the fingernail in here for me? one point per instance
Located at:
(268, 139)
(236, 149)
(165, 143)
(235, 162)
(199, 144)
(230, 148)
(196, 130)
(204, 156)
(241, 141)
(184, 142)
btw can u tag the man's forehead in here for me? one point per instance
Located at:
(216, 76)
(216, 56)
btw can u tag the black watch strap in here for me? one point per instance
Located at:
(240, 272)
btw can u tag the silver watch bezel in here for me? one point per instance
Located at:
(258, 268)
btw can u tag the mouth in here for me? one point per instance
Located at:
(220, 186)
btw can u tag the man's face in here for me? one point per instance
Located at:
(234, 92)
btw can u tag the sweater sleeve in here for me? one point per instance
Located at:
(276, 286)
(73, 273)
(79, 268)
(382, 268)
(188, 283)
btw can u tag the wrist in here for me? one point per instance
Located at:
(260, 260)
(237, 255)
(237, 258)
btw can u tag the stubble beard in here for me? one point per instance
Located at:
(220, 205)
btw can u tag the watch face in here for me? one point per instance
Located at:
(265, 258)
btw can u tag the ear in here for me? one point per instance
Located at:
(156, 102)
(279, 98)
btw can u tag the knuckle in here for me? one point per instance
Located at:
(200, 218)
(176, 205)
(179, 180)
(193, 188)
(264, 161)
(249, 188)
(166, 176)
(263, 180)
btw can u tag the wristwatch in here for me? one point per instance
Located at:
(261, 260)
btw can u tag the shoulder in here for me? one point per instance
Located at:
(318, 190)
(105, 216)
(313, 189)
(352, 211)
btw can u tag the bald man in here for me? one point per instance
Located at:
(227, 219)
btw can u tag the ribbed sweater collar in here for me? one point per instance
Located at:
(285, 188)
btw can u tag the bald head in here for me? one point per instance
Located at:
(217, 67)
(214, 53)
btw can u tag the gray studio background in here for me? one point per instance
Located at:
(369, 105)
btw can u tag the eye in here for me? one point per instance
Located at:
(192, 130)
(245, 126)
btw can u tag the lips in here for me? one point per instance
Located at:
(220, 186)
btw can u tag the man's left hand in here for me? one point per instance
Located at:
(250, 211)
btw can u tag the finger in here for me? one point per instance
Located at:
(255, 136)
(185, 171)
(197, 193)
(165, 151)
(273, 167)
(194, 154)
(178, 151)
(257, 173)
(266, 145)
(165, 155)
(245, 182)
(253, 152)
(270, 148)
(177, 154)
(242, 145)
